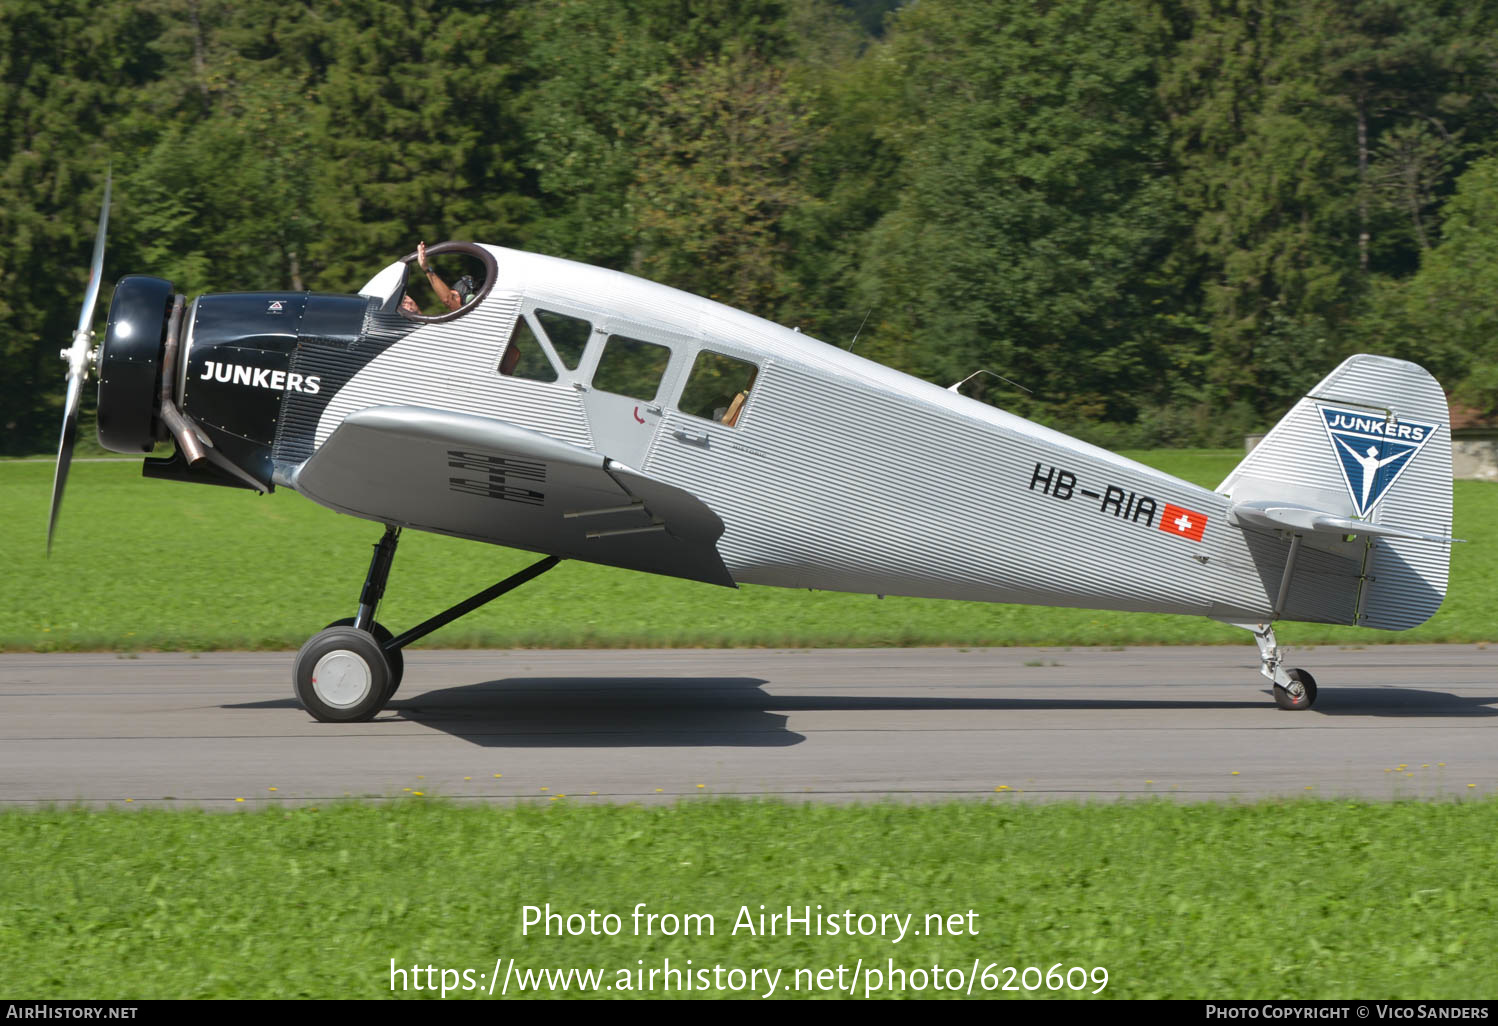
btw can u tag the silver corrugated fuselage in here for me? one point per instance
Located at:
(845, 475)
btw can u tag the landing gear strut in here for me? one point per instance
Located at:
(350, 669)
(1293, 688)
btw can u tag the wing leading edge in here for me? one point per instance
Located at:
(488, 480)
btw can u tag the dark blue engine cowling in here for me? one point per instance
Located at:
(130, 363)
(238, 350)
(238, 347)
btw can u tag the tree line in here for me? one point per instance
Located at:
(1165, 219)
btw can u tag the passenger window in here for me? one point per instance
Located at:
(718, 387)
(568, 336)
(631, 367)
(524, 357)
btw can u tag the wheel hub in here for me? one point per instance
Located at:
(341, 679)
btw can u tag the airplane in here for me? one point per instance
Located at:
(584, 413)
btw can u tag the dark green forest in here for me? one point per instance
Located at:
(1165, 218)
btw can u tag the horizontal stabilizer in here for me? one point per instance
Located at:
(1290, 517)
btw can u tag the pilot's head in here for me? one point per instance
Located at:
(465, 289)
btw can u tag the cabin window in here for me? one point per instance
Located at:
(718, 387)
(568, 335)
(631, 367)
(524, 356)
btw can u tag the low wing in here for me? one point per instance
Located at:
(488, 480)
(1289, 516)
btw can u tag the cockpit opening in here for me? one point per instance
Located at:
(456, 278)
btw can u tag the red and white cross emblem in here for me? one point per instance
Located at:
(1183, 523)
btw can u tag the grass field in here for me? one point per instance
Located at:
(156, 565)
(1295, 900)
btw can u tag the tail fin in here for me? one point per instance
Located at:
(1361, 469)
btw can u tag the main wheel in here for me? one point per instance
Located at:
(341, 675)
(1301, 694)
(392, 656)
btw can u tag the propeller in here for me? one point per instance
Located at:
(79, 356)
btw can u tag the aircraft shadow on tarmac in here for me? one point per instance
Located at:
(567, 712)
(571, 712)
(1401, 702)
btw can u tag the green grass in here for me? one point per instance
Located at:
(1272, 900)
(157, 565)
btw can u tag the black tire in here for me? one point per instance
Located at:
(355, 676)
(1298, 698)
(392, 656)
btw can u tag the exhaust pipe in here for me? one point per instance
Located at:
(171, 417)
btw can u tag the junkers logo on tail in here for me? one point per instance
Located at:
(1373, 451)
(259, 377)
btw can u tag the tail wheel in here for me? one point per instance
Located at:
(1301, 694)
(342, 675)
(392, 655)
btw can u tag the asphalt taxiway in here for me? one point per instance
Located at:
(836, 725)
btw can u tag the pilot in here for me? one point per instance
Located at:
(463, 289)
(452, 298)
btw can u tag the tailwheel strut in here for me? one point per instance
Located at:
(1294, 688)
(349, 670)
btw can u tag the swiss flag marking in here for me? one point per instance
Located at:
(1184, 523)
